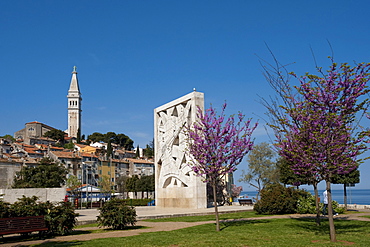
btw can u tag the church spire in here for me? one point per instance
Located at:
(74, 106)
(74, 88)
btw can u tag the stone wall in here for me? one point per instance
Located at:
(44, 194)
(7, 173)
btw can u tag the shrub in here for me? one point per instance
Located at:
(4, 209)
(60, 218)
(27, 206)
(306, 205)
(336, 208)
(116, 214)
(137, 202)
(276, 199)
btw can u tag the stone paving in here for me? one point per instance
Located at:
(89, 215)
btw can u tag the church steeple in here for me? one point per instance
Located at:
(74, 106)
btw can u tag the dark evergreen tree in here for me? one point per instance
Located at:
(131, 184)
(109, 150)
(137, 155)
(78, 139)
(119, 139)
(57, 135)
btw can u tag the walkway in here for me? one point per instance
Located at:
(144, 213)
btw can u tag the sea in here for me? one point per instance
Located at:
(354, 196)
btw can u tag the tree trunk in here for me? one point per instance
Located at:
(317, 204)
(345, 195)
(214, 185)
(330, 214)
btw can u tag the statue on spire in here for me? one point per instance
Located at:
(74, 69)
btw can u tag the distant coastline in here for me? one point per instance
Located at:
(354, 196)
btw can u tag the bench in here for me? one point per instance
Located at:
(23, 225)
(245, 201)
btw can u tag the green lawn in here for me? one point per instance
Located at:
(227, 216)
(261, 232)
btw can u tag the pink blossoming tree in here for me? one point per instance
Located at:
(316, 126)
(217, 146)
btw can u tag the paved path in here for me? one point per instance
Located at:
(166, 226)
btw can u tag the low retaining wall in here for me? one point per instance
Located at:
(44, 194)
(355, 206)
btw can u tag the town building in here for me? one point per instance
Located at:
(89, 163)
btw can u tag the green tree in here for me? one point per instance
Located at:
(46, 174)
(149, 150)
(262, 169)
(131, 184)
(121, 183)
(119, 139)
(105, 185)
(78, 136)
(8, 137)
(145, 184)
(124, 141)
(352, 177)
(137, 155)
(96, 137)
(73, 183)
(109, 149)
(69, 145)
(55, 134)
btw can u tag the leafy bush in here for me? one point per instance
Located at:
(336, 208)
(116, 214)
(276, 199)
(4, 209)
(60, 218)
(27, 206)
(306, 205)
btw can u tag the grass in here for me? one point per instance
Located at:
(227, 216)
(87, 225)
(261, 232)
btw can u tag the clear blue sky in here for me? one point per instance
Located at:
(133, 56)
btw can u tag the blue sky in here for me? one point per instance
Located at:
(133, 56)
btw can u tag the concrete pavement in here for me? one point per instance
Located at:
(87, 216)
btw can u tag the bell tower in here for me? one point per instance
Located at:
(74, 106)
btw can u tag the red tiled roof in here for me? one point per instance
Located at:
(88, 155)
(67, 155)
(80, 145)
(36, 122)
(119, 161)
(140, 161)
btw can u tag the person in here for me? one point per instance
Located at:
(326, 202)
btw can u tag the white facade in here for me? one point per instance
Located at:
(176, 184)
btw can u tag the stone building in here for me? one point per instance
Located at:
(33, 133)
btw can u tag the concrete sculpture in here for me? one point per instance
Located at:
(176, 184)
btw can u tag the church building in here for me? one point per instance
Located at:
(34, 131)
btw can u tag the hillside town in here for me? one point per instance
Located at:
(87, 160)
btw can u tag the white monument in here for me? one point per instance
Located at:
(176, 184)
